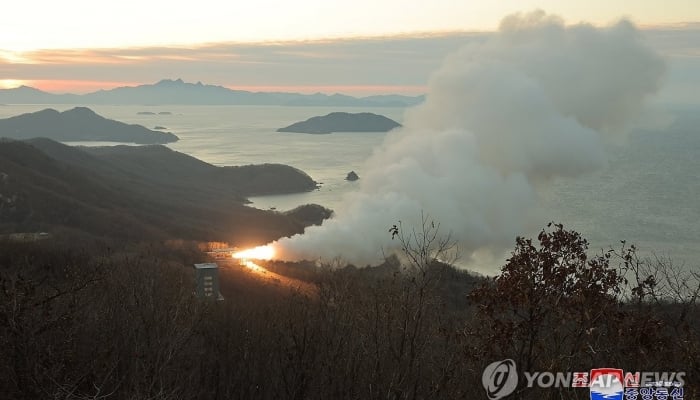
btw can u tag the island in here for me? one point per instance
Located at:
(146, 113)
(79, 124)
(352, 176)
(343, 122)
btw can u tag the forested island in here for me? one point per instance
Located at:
(343, 122)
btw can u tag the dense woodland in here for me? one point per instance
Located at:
(91, 320)
(97, 294)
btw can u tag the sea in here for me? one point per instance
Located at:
(647, 194)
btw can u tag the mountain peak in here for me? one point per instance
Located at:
(178, 91)
(43, 113)
(164, 82)
(26, 89)
(82, 111)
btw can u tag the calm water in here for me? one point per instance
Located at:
(648, 193)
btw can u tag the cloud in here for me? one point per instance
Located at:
(356, 64)
(353, 62)
(503, 118)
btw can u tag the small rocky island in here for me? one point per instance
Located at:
(77, 125)
(352, 176)
(343, 122)
(152, 113)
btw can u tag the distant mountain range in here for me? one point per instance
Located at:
(177, 91)
(78, 124)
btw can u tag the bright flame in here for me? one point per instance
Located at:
(257, 253)
(253, 266)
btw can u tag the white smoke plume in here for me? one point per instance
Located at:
(502, 118)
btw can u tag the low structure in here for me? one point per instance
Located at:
(222, 254)
(207, 278)
(26, 236)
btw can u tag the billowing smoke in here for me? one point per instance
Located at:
(502, 118)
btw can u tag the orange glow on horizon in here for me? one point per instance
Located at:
(73, 86)
(86, 86)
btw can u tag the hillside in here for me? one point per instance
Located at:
(136, 193)
(343, 122)
(78, 124)
(177, 91)
(155, 164)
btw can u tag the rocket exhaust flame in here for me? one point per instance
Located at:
(253, 266)
(248, 258)
(266, 252)
(245, 257)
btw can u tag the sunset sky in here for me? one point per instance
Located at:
(356, 47)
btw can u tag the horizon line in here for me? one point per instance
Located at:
(96, 86)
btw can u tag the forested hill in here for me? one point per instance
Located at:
(78, 124)
(139, 192)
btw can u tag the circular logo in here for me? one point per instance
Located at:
(500, 379)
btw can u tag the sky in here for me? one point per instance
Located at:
(355, 47)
